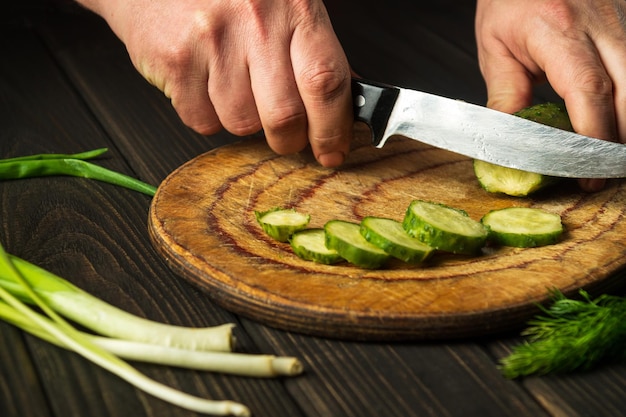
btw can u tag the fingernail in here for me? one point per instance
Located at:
(592, 184)
(331, 159)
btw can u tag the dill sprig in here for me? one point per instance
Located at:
(571, 335)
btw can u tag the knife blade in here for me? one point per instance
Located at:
(482, 133)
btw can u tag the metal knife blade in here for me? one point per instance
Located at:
(482, 133)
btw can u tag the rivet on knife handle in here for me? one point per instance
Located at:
(373, 103)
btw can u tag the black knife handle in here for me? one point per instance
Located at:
(373, 103)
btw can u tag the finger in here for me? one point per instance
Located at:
(509, 87)
(611, 46)
(190, 98)
(231, 93)
(323, 79)
(186, 85)
(592, 111)
(509, 84)
(612, 54)
(588, 93)
(280, 107)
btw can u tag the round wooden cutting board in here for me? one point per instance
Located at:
(202, 221)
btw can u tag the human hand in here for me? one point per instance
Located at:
(244, 66)
(578, 46)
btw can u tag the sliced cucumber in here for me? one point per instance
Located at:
(281, 223)
(514, 182)
(510, 181)
(523, 227)
(390, 236)
(345, 237)
(444, 228)
(310, 244)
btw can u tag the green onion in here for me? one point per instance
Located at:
(225, 362)
(41, 165)
(82, 155)
(103, 318)
(72, 339)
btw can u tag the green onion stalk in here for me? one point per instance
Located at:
(76, 165)
(105, 319)
(66, 335)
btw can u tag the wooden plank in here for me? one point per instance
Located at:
(20, 391)
(597, 392)
(403, 379)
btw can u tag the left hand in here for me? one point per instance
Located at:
(578, 46)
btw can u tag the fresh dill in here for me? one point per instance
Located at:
(571, 335)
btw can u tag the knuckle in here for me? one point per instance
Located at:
(285, 129)
(207, 30)
(178, 51)
(284, 119)
(593, 81)
(324, 82)
(243, 127)
(327, 141)
(558, 13)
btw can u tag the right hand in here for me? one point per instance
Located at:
(244, 66)
(579, 46)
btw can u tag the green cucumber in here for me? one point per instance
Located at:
(550, 114)
(514, 182)
(523, 227)
(281, 223)
(310, 245)
(345, 237)
(390, 236)
(444, 228)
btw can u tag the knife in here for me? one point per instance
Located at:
(482, 133)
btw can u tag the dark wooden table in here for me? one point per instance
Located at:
(66, 85)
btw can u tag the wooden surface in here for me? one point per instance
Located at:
(66, 85)
(204, 223)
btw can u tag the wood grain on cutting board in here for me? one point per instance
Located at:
(202, 221)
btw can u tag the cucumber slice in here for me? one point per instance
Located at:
(345, 237)
(523, 227)
(310, 244)
(444, 228)
(390, 236)
(281, 223)
(515, 182)
(510, 181)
